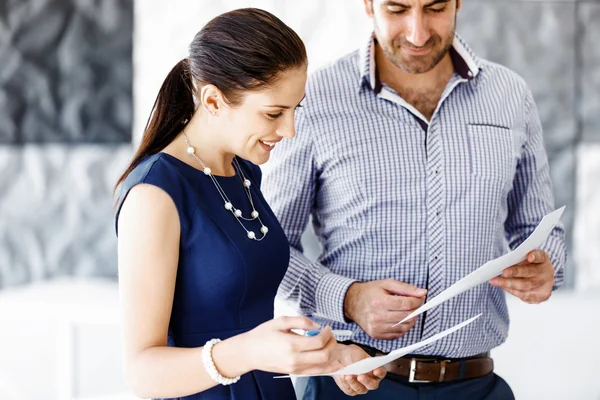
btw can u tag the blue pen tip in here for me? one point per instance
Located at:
(314, 332)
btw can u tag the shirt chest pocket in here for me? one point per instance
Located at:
(491, 153)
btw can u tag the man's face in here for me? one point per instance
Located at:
(414, 34)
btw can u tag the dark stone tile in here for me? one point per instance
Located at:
(68, 73)
(8, 127)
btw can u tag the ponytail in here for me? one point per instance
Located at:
(239, 51)
(173, 105)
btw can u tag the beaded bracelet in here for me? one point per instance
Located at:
(210, 367)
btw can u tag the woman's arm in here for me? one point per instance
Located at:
(149, 234)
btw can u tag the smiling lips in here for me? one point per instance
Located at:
(269, 145)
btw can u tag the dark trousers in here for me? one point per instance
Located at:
(490, 387)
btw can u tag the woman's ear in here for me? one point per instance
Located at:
(211, 99)
(368, 7)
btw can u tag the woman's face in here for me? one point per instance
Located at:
(264, 117)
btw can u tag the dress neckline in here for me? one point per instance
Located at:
(178, 161)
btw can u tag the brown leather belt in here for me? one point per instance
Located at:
(427, 370)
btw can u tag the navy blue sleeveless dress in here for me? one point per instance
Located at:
(226, 283)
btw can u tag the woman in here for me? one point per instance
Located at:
(200, 252)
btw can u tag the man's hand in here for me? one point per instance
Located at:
(352, 385)
(378, 305)
(531, 280)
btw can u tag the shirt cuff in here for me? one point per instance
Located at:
(555, 248)
(330, 296)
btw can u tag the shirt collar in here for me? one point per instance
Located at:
(367, 63)
(466, 63)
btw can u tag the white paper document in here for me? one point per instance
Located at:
(495, 267)
(369, 364)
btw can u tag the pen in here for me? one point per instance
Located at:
(336, 332)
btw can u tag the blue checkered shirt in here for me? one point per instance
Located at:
(393, 195)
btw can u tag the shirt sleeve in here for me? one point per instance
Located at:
(531, 197)
(290, 183)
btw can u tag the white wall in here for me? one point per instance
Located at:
(60, 340)
(552, 348)
(586, 236)
(164, 30)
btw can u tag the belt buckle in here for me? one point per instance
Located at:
(413, 370)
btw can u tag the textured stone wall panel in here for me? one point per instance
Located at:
(56, 215)
(589, 25)
(535, 39)
(66, 71)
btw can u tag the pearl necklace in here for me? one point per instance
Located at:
(237, 213)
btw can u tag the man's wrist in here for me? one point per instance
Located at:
(349, 300)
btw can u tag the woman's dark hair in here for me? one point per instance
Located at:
(239, 51)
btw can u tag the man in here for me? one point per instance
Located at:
(418, 162)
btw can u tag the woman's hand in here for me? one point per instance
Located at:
(273, 347)
(356, 384)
